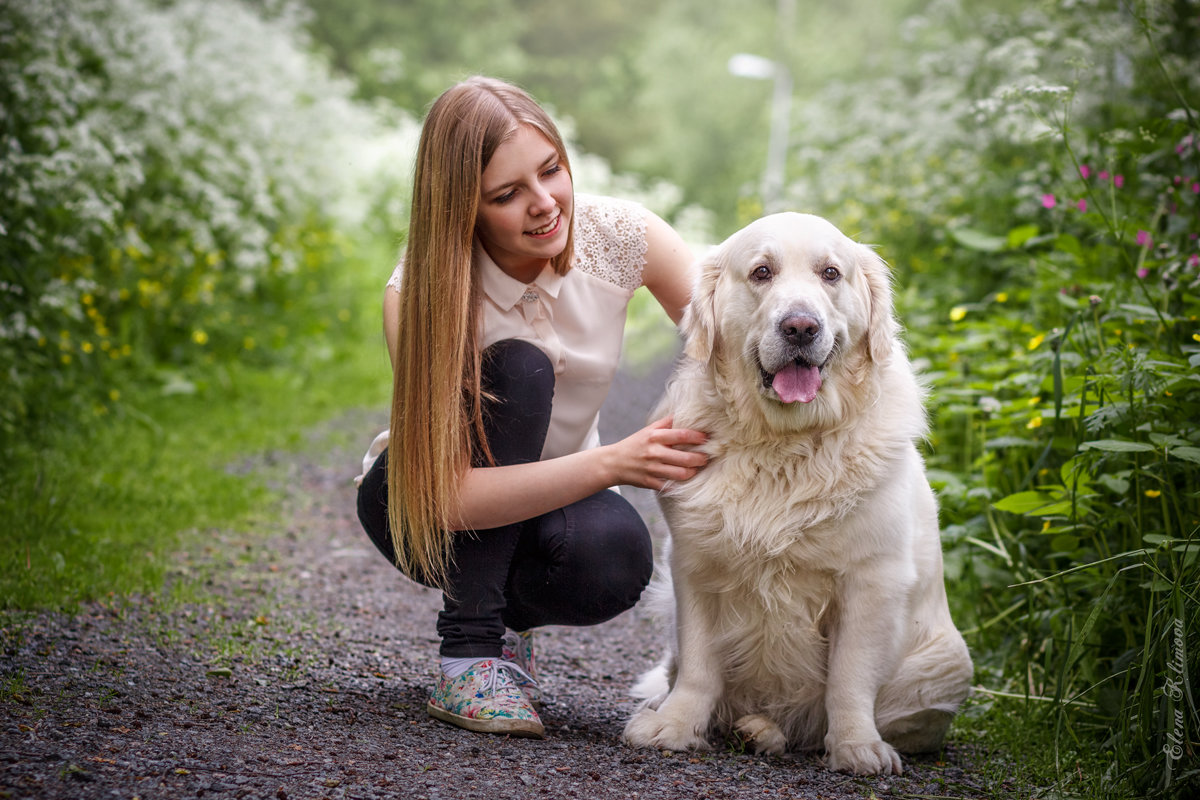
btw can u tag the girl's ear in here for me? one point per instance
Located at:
(699, 326)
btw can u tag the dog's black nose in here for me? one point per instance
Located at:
(800, 329)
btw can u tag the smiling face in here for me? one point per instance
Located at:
(525, 205)
(792, 307)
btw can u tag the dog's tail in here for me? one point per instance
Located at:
(659, 601)
(654, 682)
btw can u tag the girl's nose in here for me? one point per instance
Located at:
(542, 203)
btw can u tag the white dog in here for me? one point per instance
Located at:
(805, 558)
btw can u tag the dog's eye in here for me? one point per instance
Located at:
(761, 273)
(831, 274)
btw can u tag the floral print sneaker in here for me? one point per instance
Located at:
(486, 699)
(518, 648)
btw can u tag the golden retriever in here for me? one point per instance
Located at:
(805, 559)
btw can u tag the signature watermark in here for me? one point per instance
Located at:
(1174, 690)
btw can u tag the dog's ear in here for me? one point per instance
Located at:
(699, 323)
(881, 324)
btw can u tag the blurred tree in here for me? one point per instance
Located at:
(644, 82)
(409, 51)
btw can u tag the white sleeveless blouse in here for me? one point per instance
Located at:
(577, 319)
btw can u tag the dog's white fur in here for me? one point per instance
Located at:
(805, 558)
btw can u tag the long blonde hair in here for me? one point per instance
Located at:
(437, 402)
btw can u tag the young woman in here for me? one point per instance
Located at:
(504, 326)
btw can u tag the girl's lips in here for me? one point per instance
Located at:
(548, 229)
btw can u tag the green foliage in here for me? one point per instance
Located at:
(1060, 292)
(171, 179)
(117, 505)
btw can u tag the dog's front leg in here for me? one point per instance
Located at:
(682, 720)
(862, 655)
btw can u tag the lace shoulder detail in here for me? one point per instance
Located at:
(610, 240)
(397, 274)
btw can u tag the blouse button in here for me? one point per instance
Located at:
(530, 296)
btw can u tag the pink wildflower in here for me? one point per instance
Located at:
(1196, 188)
(1084, 171)
(1118, 181)
(1049, 201)
(1082, 204)
(1194, 261)
(1103, 175)
(1142, 272)
(1143, 239)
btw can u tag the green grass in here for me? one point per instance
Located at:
(103, 506)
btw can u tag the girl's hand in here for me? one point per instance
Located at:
(653, 455)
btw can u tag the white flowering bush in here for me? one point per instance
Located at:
(172, 175)
(966, 120)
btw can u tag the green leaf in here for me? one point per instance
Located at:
(1020, 235)
(1138, 310)
(1064, 543)
(1038, 504)
(1022, 502)
(1187, 453)
(1008, 441)
(1069, 244)
(978, 240)
(1117, 446)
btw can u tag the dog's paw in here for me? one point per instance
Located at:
(863, 758)
(651, 728)
(762, 735)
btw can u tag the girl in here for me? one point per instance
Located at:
(504, 327)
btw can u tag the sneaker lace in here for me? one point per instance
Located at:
(492, 679)
(520, 650)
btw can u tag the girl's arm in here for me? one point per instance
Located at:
(668, 271)
(495, 496)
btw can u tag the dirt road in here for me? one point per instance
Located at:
(303, 673)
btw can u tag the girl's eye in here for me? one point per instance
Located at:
(831, 274)
(504, 198)
(761, 273)
(557, 168)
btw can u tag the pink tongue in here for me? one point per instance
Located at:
(795, 382)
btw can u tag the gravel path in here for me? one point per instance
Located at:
(303, 672)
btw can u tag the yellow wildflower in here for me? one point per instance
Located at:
(1036, 341)
(957, 313)
(1036, 422)
(199, 337)
(1002, 297)
(1153, 493)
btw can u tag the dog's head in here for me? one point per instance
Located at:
(794, 308)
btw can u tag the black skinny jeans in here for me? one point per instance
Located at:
(578, 565)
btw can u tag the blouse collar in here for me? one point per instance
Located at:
(506, 291)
